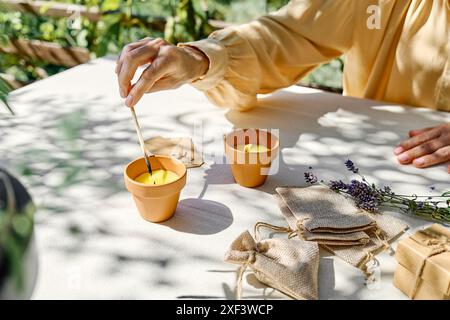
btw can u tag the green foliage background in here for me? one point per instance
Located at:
(125, 21)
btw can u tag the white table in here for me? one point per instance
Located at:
(92, 243)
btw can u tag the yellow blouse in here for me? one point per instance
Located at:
(398, 51)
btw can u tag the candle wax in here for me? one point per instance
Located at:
(158, 177)
(251, 148)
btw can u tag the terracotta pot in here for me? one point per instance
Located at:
(250, 169)
(156, 203)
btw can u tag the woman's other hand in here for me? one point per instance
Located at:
(426, 147)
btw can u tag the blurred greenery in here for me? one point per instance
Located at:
(124, 21)
(327, 76)
(5, 88)
(15, 232)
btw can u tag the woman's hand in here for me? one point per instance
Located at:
(426, 147)
(169, 68)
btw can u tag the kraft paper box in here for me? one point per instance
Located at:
(405, 281)
(424, 264)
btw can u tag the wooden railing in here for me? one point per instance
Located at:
(54, 53)
(47, 51)
(52, 9)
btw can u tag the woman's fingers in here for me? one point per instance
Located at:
(170, 66)
(133, 59)
(417, 140)
(415, 132)
(164, 83)
(151, 74)
(421, 150)
(439, 156)
(128, 48)
(426, 147)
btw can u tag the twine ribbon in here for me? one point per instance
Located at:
(260, 224)
(300, 230)
(438, 243)
(379, 233)
(300, 233)
(252, 253)
(250, 260)
(370, 256)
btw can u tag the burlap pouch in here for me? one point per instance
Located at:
(290, 266)
(389, 229)
(324, 216)
(384, 228)
(182, 149)
(343, 239)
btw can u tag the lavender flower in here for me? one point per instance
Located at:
(337, 185)
(351, 166)
(310, 178)
(371, 198)
(388, 191)
(365, 197)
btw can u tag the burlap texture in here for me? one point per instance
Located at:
(384, 228)
(343, 239)
(290, 266)
(391, 228)
(323, 210)
(324, 216)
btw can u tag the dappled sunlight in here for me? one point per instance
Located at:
(71, 152)
(397, 176)
(366, 134)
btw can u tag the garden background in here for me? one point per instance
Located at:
(41, 38)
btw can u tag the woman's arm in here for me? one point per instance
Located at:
(272, 52)
(275, 51)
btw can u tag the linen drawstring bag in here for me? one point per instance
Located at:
(389, 229)
(324, 216)
(384, 228)
(290, 266)
(182, 149)
(342, 239)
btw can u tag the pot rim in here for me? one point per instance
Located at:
(231, 146)
(143, 185)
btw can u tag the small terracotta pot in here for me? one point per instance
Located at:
(156, 203)
(250, 169)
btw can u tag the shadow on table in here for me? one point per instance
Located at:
(199, 216)
(266, 292)
(74, 155)
(323, 135)
(327, 281)
(216, 174)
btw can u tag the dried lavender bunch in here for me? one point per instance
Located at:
(373, 199)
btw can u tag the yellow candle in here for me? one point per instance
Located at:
(252, 148)
(157, 177)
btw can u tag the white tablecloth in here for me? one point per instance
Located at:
(72, 138)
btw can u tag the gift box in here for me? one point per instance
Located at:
(423, 270)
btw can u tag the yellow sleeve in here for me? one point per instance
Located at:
(274, 51)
